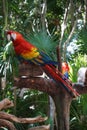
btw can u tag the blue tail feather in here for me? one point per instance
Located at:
(47, 60)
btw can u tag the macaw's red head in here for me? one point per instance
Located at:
(65, 67)
(13, 35)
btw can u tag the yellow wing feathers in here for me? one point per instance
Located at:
(30, 54)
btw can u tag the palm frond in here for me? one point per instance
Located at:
(43, 42)
(8, 61)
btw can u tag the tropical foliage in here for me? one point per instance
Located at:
(42, 22)
(78, 107)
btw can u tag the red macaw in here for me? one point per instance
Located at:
(65, 69)
(29, 52)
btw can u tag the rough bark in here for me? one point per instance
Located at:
(10, 117)
(6, 103)
(61, 98)
(7, 124)
(31, 76)
(7, 119)
(62, 103)
(44, 127)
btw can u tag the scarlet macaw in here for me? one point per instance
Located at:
(29, 52)
(65, 69)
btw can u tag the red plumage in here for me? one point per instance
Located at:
(28, 51)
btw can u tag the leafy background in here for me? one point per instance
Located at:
(25, 16)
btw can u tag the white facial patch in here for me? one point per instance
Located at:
(8, 37)
(13, 36)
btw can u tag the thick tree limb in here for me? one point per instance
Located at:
(80, 88)
(61, 98)
(37, 83)
(29, 77)
(6, 103)
(7, 124)
(33, 81)
(44, 127)
(10, 117)
(6, 119)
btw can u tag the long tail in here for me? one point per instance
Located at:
(57, 77)
(48, 66)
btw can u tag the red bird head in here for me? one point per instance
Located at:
(65, 67)
(13, 35)
(20, 44)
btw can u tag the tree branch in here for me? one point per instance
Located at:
(6, 103)
(6, 119)
(5, 13)
(69, 38)
(44, 127)
(7, 124)
(59, 58)
(63, 26)
(85, 6)
(80, 88)
(48, 85)
(10, 117)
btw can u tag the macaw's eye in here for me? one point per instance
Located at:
(8, 37)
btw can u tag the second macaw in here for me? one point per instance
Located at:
(65, 69)
(29, 52)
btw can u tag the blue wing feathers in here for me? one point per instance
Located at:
(44, 59)
(47, 60)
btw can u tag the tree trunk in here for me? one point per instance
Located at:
(62, 103)
(30, 77)
(52, 113)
